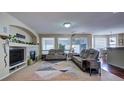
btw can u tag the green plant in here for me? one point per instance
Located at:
(10, 36)
(61, 46)
(13, 38)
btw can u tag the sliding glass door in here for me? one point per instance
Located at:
(64, 43)
(79, 43)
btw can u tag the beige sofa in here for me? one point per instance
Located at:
(56, 54)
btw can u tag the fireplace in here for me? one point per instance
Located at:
(16, 56)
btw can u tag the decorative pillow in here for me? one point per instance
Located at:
(56, 54)
(93, 54)
(52, 52)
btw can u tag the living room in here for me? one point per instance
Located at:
(72, 48)
(63, 46)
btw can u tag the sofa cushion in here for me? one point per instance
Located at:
(93, 54)
(52, 51)
(60, 51)
(85, 54)
(82, 52)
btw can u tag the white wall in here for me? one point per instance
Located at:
(6, 19)
(108, 31)
(116, 56)
(14, 30)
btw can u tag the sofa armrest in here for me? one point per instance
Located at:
(88, 59)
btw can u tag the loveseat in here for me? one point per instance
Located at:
(56, 54)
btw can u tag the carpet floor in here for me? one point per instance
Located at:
(58, 71)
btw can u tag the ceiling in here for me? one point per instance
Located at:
(82, 22)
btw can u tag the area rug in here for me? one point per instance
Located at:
(67, 70)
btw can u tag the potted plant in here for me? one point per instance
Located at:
(30, 61)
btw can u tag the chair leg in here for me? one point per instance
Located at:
(90, 71)
(83, 67)
(99, 71)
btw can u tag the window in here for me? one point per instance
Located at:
(78, 44)
(47, 44)
(112, 41)
(64, 43)
(100, 42)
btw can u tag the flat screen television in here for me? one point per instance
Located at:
(16, 56)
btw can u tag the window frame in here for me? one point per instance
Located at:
(105, 37)
(66, 50)
(42, 44)
(80, 38)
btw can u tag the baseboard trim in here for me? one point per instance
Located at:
(116, 66)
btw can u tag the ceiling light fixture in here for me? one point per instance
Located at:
(67, 25)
